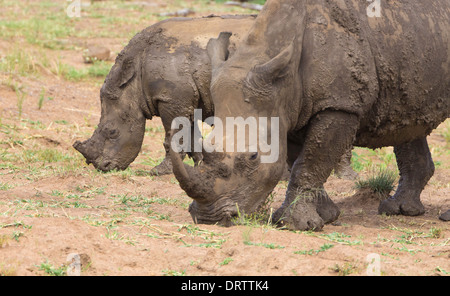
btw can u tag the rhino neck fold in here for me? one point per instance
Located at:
(146, 103)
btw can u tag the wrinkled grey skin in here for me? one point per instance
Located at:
(163, 71)
(335, 78)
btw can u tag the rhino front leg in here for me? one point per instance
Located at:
(307, 205)
(343, 169)
(416, 168)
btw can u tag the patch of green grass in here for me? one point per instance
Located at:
(322, 248)
(211, 239)
(7, 270)
(265, 245)
(226, 261)
(335, 237)
(16, 224)
(345, 269)
(21, 95)
(49, 269)
(168, 272)
(99, 69)
(446, 132)
(364, 159)
(18, 61)
(439, 269)
(38, 24)
(16, 234)
(5, 186)
(381, 183)
(262, 217)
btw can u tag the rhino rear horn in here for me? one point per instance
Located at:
(218, 49)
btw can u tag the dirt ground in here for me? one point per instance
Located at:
(53, 205)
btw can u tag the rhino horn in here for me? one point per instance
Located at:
(273, 69)
(196, 184)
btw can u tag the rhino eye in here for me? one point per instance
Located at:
(254, 156)
(113, 134)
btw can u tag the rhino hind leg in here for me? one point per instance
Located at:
(307, 205)
(416, 168)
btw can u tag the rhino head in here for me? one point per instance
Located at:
(230, 182)
(118, 138)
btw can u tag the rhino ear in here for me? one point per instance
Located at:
(274, 69)
(126, 73)
(218, 49)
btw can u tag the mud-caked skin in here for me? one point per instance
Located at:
(335, 77)
(163, 71)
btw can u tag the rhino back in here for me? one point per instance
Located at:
(392, 71)
(198, 31)
(176, 66)
(413, 64)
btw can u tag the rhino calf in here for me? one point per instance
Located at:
(164, 71)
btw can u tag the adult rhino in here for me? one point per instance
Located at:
(334, 77)
(164, 71)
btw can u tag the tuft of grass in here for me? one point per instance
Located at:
(345, 269)
(226, 261)
(41, 99)
(381, 183)
(262, 217)
(5, 186)
(18, 61)
(168, 272)
(21, 95)
(322, 248)
(99, 69)
(265, 245)
(49, 269)
(7, 270)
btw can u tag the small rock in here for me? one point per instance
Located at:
(445, 216)
(96, 53)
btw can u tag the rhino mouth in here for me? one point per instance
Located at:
(221, 212)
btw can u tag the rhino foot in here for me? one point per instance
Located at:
(299, 216)
(398, 206)
(164, 168)
(326, 208)
(445, 216)
(310, 210)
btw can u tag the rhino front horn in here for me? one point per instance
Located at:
(191, 179)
